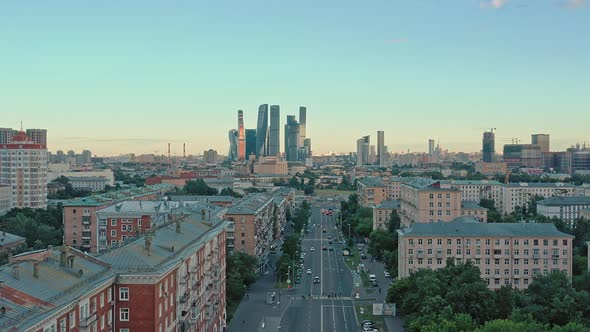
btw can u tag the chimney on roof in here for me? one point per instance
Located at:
(36, 270)
(178, 226)
(71, 261)
(148, 244)
(10, 258)
(202, 214)
(15, 271)
(63, 256)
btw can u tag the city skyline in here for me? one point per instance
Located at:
(427, 80)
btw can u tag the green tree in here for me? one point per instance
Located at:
(230, 192)
(503, 325)
(199, 187)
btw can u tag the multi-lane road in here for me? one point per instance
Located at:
(326, 306)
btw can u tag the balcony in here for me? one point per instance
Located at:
(88, 321)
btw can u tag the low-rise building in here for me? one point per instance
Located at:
(382, 214)
(567, 208)
(476, 190)
(507, 254)
(271, 165)
(91, 183)
(520, 194)
(490, 168)
(9, 241)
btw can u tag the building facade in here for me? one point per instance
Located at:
(382, 214)
(424, 200)
(488, 147)
(565, 208)
(381, 148)
(371, 191)
(292, 139)
(520, 194)
(232, 154)
(486, 168)
(5, 199)
(250, 143)
(506, 254)
(23, 167)
(262, 131)
(523, 155)
(274, 148)
(170, 280)
(543, 141)
(38, 136)
(363, 146)
(241, 136)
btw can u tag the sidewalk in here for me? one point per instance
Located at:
(378, 269)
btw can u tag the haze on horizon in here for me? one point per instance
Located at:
(130, 76)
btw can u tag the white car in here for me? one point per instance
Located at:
(308, 271)
(312, 249)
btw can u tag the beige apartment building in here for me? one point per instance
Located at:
(371, 191)
(476, 190)
(518, 194)
(382, 214)
(506, 253)
(425, 200)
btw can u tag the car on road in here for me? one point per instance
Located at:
(331, 249)
(330, 241)
(368, 323)
(308, 271)
(324, 230)
(312, 249)
(316, 280)
(298, 280)
(363, 256)
(324, 248)
(374, 283)
(387, 275)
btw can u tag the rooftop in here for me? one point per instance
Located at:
(139, 207)
(470, 205)
(251, 204)
(393, 204)
(467, 226)
(539, 185)
(567, 200)
(372, 181)
(472, 182)
(8, 239)
(196, 198)
(117, 196)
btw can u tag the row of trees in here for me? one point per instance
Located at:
(68, 192)
(455, 298)
(291, 250)
(40, 227)
(241, 273)
(357, 219)
(135, 180)
(383, 244)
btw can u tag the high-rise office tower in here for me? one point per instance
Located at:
(292, 137)
(250, 143)
(24, 168)
(241, 136)
(543, 141)
(274, 148)
(307, 146)
(262, 131)
(39, 136)
(232, 155)
(381, 148)
(488, 148)
(372, 155)
(302, 124)
(431, 147)
(362, 150)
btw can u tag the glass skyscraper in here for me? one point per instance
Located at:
(250, 142)
(273, 140)
(233, 145)
(262, 131)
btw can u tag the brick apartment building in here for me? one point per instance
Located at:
(80, 219)
(425, 200)
(171, 279)
(506, 254)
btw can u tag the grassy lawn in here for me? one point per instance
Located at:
(326, 193)
(368, 314)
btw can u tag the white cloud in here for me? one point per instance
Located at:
(495, 3)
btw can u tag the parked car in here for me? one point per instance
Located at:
(316, 280)
(298, 280)
(312, 249)
(387, 275)
(368, 323)
(363, 256)
(331, 249)
(308, 271)
(324, 248)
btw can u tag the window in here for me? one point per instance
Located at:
(138, 222)
(535, 242)
(468, 242)
(458, 241)
(449, 252)
(439, 242)
(439, 261)
(430, 261)
(458, 251)
(410, 251)
(449, 242)
(526, 252)
(516, 252)
(565, 242)
(124, 314)
(113, 232)
(411, 241)
(516, 261)
(410, 261)
(113, 222)
(497, 252)
(419, 241)
(516, 242)
(124, 330)
(545, 242)
(555, 242)
(497, 242)
(467, 251)
(506, 262)
(429, 241)
(72, 319)
(101, 300)
(430, 251)
(487, 242)
(420, 261)
(62, 325)
(431, 197)
(124, 294)
(507, 252)
(109, 295)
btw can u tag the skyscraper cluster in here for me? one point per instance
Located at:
(368, 154)
(264, 141)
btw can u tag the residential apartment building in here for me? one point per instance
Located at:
(490, 168)
(254, 226)
(80, 219)
(270, 165)
(507, 254)
(474, 210)
(566, 208)
(424, 200)
(171, 279)
(5, 199)
(371, 191)
(23, 167)
(520, 194)
(382, 214)
(476, 190)
(126, 220)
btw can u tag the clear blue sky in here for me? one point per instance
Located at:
(129, 76)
